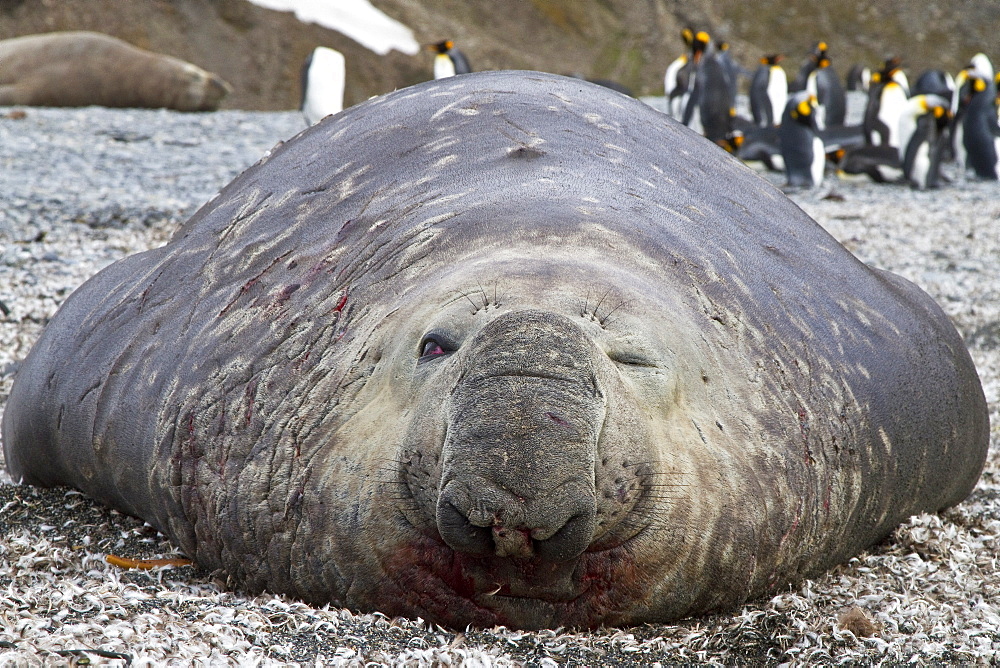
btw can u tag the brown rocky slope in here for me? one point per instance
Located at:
(631, 41)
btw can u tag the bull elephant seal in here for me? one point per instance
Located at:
(507, 348)
(79, 69)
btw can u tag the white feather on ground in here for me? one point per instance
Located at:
(81, 188)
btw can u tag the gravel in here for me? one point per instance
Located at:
(82, 188)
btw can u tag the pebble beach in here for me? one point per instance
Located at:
(82, 188)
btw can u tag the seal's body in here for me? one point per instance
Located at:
(507, 348)
(79, 69)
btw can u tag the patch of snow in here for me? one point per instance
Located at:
(357, 19)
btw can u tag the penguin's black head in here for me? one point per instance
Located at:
(688, 36)
(970, 84)
(891, 66)
(771, 59)
(819, 55)
(441, 47)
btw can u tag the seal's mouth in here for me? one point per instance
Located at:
(455, 589)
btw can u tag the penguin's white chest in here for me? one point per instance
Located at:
(324, 85)
(443, 66)
(818, 161)
(921, 166)
(777, 92)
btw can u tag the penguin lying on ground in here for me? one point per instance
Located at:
(757, 144)
(880, 163)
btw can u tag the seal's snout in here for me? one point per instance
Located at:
(480, 518)
(518, 460)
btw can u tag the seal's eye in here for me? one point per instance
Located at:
(632, 358)
(433, 346)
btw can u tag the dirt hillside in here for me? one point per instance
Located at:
(631, 41)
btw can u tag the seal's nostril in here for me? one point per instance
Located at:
(460, 534)
(570, 541)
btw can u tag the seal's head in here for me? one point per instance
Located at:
(527, 468)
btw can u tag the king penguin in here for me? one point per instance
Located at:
(672, 88)
(801, 147)
(449, 61)
(682, 74)
(981, 68)
(818, 77)
(886, 101)
(712, 106)
(768, 91)
(733, 69)
(322, 84)
(923, 138)
(980, 127)
(859, 78)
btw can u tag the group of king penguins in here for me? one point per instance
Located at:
(798, 126)
(324, 72)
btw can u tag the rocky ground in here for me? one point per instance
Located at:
(82, 188)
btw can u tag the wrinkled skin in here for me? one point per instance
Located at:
(504, 349)
(79, 69)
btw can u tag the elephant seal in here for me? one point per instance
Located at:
(507, 348)
(79, 69)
